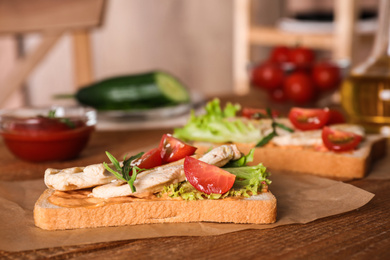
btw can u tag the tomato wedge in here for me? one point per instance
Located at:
(257, 113)
(308, 119)
(150, 159)
(173, 149)
(340, 141)
(206, 177)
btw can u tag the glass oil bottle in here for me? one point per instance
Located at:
(365, 94)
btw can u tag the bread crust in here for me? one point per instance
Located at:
(260, 209)
(343, 166)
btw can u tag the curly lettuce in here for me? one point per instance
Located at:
(218, 125)
(250, 180)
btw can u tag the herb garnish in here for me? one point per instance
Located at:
(259, 115)
(52, 113)
(66, 121)
(123, 173)
(274, 125)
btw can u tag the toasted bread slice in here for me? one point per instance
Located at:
(343, 166)
(259, 209)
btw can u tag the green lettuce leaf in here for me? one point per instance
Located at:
(218, 125)
(250, 180)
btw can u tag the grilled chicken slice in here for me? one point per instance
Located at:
(151, 181)
(147, 182)
(221, 155)
(78, 177)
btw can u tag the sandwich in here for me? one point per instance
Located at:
(168, 184)
(314, 141)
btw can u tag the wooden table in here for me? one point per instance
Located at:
(360, 234)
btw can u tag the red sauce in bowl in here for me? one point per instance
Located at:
(41, 139)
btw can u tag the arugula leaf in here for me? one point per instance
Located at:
(274, 125)
(123, 172)
(266, 139)
(114, 161)
(244, 160)
(135, 171)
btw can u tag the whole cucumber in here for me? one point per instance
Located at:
(139, 91)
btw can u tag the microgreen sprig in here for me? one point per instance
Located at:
(66, 121)
(123, 172)
(274, 125)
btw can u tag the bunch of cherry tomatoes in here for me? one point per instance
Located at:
(293, 74)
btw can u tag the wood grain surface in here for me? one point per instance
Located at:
(359, 234)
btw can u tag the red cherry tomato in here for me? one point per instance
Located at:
(335, 117)
(257, 113)
(280, 54)
(326, 76)
(301, 57)
(308, 119)
(268, 76)
(173, 149)
(207, 178)
(340, 141)
(278, 95)
(299, 88)
(150, 159)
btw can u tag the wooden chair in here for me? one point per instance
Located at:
(51, 19)
(341, 42)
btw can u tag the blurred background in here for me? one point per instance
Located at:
(51, 47)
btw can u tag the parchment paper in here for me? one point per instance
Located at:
(301, 199)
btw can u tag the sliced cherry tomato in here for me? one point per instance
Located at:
(299, 88)
(206, 177)
(280, 54)
(150, 159)
(268, 76)
(173, 149)
(257, 113)
(308, 119)
(301, 57)
(326, 76)
(335, 117)
(340, 141)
